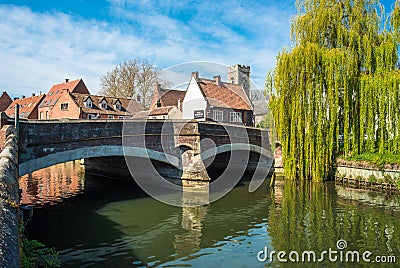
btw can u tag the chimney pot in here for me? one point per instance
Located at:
(23, 96)
(15, 98)
(217, 79)
(66, 80)
(195, 75)
(33, 94)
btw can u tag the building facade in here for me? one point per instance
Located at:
(28, 107)
(214, 100)
(73, 100)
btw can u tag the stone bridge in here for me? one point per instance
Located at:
(183, 150)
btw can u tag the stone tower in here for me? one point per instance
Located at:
(240, 75)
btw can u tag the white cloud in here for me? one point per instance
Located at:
(41, 49)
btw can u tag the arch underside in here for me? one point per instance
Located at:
(92, 152)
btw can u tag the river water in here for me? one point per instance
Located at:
(98, 222)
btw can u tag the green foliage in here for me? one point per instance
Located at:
(376, 159)
(372, 179)
(336, 92)
(35, 254)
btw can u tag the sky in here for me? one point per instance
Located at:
(42, 42)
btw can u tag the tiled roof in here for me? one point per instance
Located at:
(224, 95)
(236, 89)
(167, 97)
(161, 110)
(56, 90)
(26, 106)
(5, 101)
(141, 114)
(128, 106)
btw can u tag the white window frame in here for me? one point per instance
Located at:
(118, 106)
(91, 116)
(88, 103)
(121, 117)
(218, 115)
(235, 117)
(104, 105)
(110, 116)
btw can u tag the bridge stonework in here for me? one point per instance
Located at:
(177, 143)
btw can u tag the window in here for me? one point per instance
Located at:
(218, 115)
(236, 117)
(64, 106)
(41, 115)
(104, 105)
(120, 117)
(91, 116)
(47, 114)
(88, 103)
(158, 104)
(110, 117)
(21, 115)
(117, 106)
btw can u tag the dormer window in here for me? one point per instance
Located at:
(158, 104)
(88, 103)
(103, 105)
(117, 105)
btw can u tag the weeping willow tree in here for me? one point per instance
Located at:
(336, 91)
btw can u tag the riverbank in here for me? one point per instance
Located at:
(376, 175)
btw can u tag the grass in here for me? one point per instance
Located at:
(377, 159)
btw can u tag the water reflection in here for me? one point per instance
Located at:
(312, 216)
(52, 184)
(113, 223)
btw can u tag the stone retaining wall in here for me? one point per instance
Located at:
(9, 199)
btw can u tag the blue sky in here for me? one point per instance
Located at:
(42, 42)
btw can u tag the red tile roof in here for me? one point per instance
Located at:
(26, 106)
(224, 95)
(161, 110)
(167, 97)
(129, 106)
(141, 115)
(75, 86)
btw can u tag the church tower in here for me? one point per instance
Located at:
(240, 75)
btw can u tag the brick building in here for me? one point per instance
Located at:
(166, 103)
(5, 101)
(73, 100)
(28, 107)
(54, 95)
(214, 100)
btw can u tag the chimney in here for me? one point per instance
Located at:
(195, 75)
(66, 80)
(33, 94)
(15, 98)
(157, 87)
(217, 79)
(23, 96)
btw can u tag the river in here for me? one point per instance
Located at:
(99, 222)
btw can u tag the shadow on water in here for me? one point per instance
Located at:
(111, 223)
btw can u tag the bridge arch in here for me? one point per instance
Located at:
(235, 147)
(91, 152)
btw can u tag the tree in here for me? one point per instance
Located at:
(336, 91)
(132, 78)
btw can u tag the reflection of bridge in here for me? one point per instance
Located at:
(187, 146)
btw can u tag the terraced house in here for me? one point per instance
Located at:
(73, 100)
